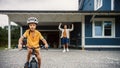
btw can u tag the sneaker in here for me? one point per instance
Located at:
(67, 50)
(64, 50)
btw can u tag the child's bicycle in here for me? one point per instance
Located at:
(33, 63)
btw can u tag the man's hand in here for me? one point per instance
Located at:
(60, 23)
(19, 46)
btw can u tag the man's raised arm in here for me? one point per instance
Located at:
(72, 28)
(60, 26)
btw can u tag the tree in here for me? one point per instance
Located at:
(15, 34)
(3, 36)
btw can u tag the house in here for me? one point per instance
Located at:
(102, 30)
(99, 5)
(97, 24)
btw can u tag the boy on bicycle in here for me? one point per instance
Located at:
(33, 37)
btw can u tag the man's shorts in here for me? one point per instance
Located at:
(64, 41)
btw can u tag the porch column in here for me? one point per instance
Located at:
(9, 34)
(21, 31)
(83, 32)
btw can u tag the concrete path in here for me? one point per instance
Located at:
(54, 58)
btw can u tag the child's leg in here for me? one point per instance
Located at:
(38, 57)
(29, 54)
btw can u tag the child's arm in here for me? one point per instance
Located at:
(45, 42)
(20, 42)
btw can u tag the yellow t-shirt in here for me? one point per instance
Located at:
(33, 41)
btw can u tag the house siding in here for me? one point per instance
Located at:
(102, 41)
(89, 40)
(106, 6)
(88, 5)
(88, 26)
(117, 5)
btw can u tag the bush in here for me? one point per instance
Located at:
(15, 34)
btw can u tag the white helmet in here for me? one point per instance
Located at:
(32, 20)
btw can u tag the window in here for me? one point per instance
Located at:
(98, 4)
(107, 28)
(98, 28)
(103, 28)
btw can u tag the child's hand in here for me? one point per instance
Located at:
(20, 47)
(46, 46)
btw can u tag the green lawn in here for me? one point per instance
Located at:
(2, 48)
(5, 47)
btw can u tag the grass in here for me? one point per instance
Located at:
(2, 48)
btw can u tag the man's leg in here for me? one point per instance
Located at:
(64, 48)
(66, 44)
(38, 57)
(67, 48)
(63, 44)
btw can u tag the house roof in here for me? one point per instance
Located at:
(51, 17)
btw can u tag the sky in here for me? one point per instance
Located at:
(46, 5)
(38, 4)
